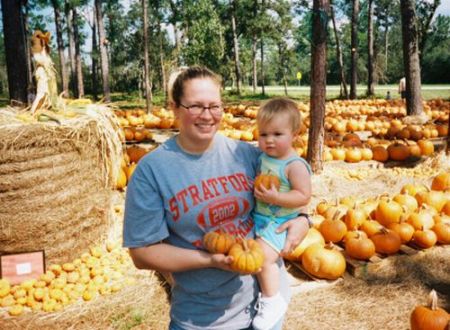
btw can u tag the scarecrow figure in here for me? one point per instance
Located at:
(45, 74)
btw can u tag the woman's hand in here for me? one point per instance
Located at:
(297, 229)
(221, 261)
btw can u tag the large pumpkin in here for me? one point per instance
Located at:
(248, 256)
(313, 236)
(218, 242)
(323, 261)
(429, 317)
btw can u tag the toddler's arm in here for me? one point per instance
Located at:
(298, 196)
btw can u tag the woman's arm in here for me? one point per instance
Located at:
(163, 257)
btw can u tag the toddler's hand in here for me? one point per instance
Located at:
(269, 196)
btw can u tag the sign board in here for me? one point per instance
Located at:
(299, 75)
(19, 267)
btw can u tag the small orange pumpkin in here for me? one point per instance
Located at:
(386, 241)
(404, 229)
(380, 154)
(425, 238)
(441, 181)
(442, 231)
(333, 230)
(429, 317)
(398, 151)
(361, 248)
(426, 147)
(248, 256)
(388, 211)
(266, 180)
(218, 242)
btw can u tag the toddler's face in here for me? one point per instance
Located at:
(276, 136)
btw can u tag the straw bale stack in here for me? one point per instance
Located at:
(56, 182)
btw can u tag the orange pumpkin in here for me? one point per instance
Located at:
(136, 153)
(429, 317)
(266, 180)
(353, 155)
(421, 220)
(388, 211)
(398, 151)
(425, 238)
(408, 201)
(354, 218)
(426, 147)
(121, 181)
(403, 229)
(386, 241)
(413, 189)
(248, 256)
(360, 247)
(218, 242)
(371, 227)
(433, 198)
(441, 181)
(323, 261)
(333, 230)
(380, 154)
(442, 231)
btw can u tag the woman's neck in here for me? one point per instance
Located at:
(191, 147)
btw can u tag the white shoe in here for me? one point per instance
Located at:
(270, 310)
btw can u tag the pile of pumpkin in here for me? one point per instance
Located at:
(351, 149)
(128, 164)
(416, 215)
(101, 271)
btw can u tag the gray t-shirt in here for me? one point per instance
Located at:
(177, 197)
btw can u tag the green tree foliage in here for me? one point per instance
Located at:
(204, 40)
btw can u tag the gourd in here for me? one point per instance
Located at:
(266, 180)
(429, 317)
(248, 256)
(218, 242)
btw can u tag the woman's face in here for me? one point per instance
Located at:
(198, 130)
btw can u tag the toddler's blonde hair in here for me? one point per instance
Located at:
(277, 106)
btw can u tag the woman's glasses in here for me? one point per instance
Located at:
(197, 110)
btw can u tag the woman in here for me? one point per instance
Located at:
(196, 182)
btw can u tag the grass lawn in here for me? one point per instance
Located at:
(302, 92)
(135, 100)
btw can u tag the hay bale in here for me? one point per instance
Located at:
(55, 182)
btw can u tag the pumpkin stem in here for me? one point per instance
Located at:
(432, 300)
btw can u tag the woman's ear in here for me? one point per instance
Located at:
(174, 108)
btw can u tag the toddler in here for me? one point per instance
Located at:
(278, 123)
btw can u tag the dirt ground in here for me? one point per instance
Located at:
(382, 298)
